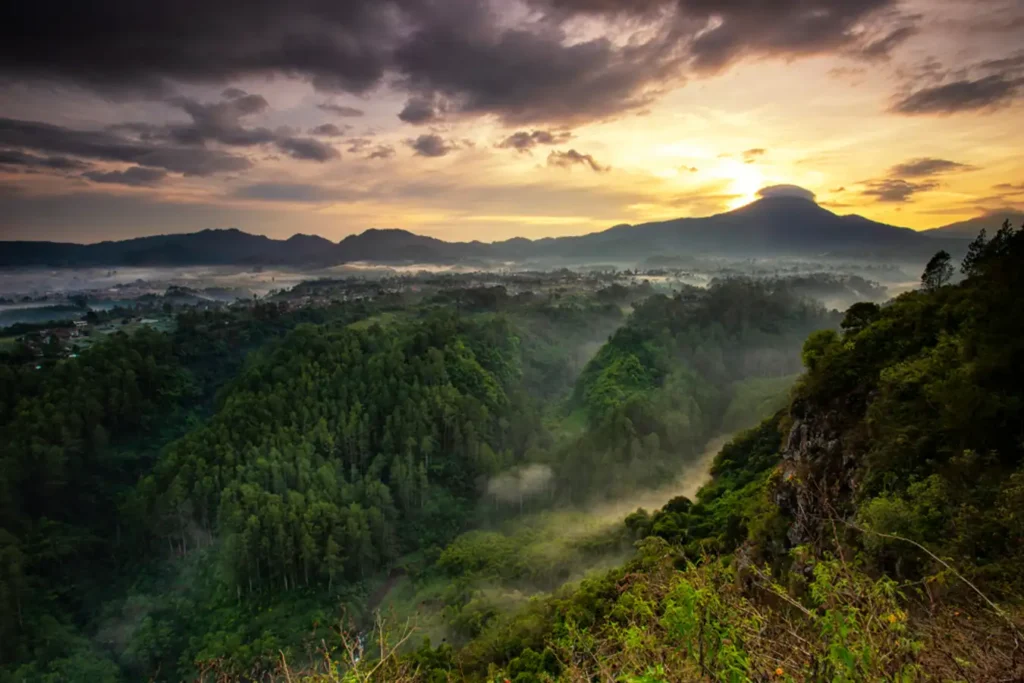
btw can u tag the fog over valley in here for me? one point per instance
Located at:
(511, 341)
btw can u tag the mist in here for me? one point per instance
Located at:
(691, 477)
(519, 484)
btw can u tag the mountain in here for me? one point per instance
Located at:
(769, 227)
(307, 248)
(403, 246)
(968, 229)
(772, 226)
(208, 247)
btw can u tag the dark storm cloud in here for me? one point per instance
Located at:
(122, 44)
(462, 56)
(12, 157)
(327, 130)
(574, 158)
(232, 93)
(108, 146)
(895, 190)
(720, 32)
(530, 76)
(745, 28)
(962, 95)
(431, 145)
(524, 141)
(308, 149)
(136, 176)
(924, 167)
(339, 109)
(639, 8)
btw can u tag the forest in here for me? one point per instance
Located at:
(630, 483)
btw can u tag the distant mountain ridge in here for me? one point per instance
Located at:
(968, 229)
(769, 227)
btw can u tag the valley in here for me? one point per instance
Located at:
(444, 475)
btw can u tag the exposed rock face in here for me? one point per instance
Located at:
(818, 470)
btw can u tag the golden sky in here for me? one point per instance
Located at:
(471, 119)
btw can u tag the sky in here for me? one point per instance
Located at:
(478, 119)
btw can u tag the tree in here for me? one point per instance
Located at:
(860, 315)
(974, 252)
(997, 258)
(938, 272)
(816, 346)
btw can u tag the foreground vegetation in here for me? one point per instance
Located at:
(459, 461)
(870, 531)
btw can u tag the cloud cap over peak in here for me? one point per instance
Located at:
(785, 190)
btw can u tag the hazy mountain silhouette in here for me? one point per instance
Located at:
(969, 229)
(404, 246)
(769, 227)
(198, 248)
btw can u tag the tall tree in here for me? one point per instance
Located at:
(938, 272)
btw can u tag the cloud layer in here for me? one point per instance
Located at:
(110, 146)
(431, 145)
(962, 95)
(927, 166)
(524, 141)
(896, 190)
(573, 158)
(695, 103)
(454, 57)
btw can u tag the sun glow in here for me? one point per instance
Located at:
(744, 180)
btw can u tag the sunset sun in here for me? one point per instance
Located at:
(744, 181)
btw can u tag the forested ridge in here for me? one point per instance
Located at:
(232, 500)
(869, 531)
(58, 471)
(337, 451)
(162, 490)
(662, 385)
(77, 435)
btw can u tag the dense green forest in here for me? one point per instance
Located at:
(162, 494)
(236, 499)
(871, 530)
